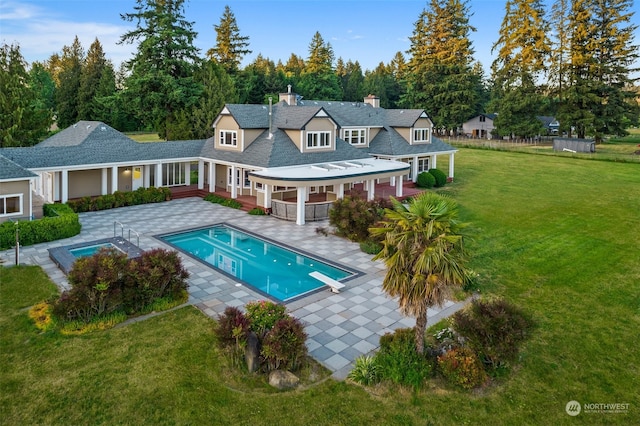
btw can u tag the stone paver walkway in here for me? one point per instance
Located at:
(341, 327)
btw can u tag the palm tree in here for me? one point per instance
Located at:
(424, 253)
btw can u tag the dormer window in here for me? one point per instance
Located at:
(355, 136)
(318, 140)
(228, 138)
(421, 135)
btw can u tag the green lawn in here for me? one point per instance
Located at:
(557, 236)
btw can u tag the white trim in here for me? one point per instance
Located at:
(222, 138)
(319, 140)
(3, 201)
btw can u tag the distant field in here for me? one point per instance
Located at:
(145, 137)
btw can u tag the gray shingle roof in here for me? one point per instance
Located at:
(97, 144)
(10, 170)
(280, 151)
(250, 116)
(389, 142)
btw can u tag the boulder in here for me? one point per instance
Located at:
(280, 379)
(252, 352)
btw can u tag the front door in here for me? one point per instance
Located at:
(137, 180)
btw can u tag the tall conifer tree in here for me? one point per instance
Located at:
(161, 85)
(230, 47)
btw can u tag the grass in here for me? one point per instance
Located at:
(557, 236)
(145, 137)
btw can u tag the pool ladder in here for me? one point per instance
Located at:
(115, 233)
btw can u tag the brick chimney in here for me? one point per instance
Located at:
(290, 98)
(372, 100)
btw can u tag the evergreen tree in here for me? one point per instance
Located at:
(24, 117)
(230, 47)
(67, 101)
(381, 83)
(44, 87)
(353, 82)
(318, 80)
(161, 83)
(617, 108)
(439, 76)
(218, 90)
(523, 50)
(97, 80)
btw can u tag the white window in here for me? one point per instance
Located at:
(318, 139)
(247, 182)
(355, 136)
(228, 138)
(423, 165)
(259, 186)
(173, 174)
(11, 205)
(420, 135)
(482, 119)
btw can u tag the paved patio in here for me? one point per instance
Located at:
(341, 327)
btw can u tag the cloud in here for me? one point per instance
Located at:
(39, 34)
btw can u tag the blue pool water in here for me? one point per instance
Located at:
(90, 250)
(272, 269)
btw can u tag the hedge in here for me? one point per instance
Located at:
(59, 222)
(120, 199)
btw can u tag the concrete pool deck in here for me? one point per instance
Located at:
(341, 327)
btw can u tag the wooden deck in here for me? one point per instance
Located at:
(383, 190)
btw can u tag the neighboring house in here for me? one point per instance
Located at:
(273, 153)
(479, 127)
(482, 126)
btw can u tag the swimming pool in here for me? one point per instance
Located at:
(90, 250)
(66, 256)
(270, 268)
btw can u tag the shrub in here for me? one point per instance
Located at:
(461, 367)
(155, 274)
(352, 216)
(365, 371)
(257, 211)
(95, 287)
(231, 328)
(284, 345)
(59, 222)
(120, 199)
(425, 180)
(399, 362)
(263, 315)
(440, 176)
(227, 202)
(493, 328)
(42, 316)
(371, 247)
(108, 281)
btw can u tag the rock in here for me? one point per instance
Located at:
(252, 353)
(280, 379)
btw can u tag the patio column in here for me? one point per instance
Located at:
(114, 179)
(435, 162)
(302, 195)
(340, 191)
(398, 185)
(267, 196)
(234, 185)
(158, 178)
(104, 181)
(414, 169)
(147, 176)
(371, 189)
(200, 174)
(451, 168)
(212, 176)
(64, 186)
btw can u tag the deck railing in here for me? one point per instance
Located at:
(287, 210)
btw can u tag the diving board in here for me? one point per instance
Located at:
(334, 285)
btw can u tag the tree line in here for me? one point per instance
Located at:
(574, 62)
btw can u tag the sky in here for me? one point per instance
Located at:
(367, 31)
